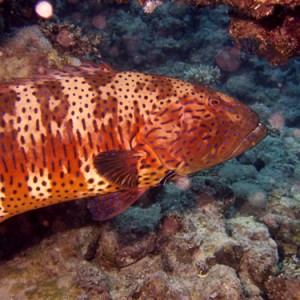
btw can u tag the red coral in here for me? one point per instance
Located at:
(65, 38)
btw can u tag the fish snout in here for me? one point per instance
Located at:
(258, 134)
(252, 139)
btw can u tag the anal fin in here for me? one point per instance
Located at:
(108, 206)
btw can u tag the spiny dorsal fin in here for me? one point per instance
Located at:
(67, 70)
(87, 67)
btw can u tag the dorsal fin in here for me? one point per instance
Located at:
(87, 67)
(51, 73)
(102, 65)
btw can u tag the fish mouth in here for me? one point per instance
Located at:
(252, 139)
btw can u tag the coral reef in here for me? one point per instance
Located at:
(69, 39)
(269, 29)
(266, 28)
(150, 40)
(232, 232)
(277, 44)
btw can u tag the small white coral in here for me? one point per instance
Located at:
(203, 74)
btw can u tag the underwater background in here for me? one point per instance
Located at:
(230, 232)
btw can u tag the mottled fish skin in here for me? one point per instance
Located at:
(91, 131)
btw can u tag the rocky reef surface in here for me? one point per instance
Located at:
(232, 232)
(188, 244)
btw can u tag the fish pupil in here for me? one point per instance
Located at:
(214, 102)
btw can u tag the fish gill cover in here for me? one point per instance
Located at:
(215, 234)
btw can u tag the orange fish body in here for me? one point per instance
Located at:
(91, 131)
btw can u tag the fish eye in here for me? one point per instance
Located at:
(214, 102)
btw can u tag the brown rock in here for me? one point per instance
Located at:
(171, 224)
(158, 287)
(283, 288)
(221, 282)
(115, 252)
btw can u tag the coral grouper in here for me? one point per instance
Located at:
(91, 131)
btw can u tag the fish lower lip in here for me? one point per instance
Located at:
(252, 139)
(257, 134)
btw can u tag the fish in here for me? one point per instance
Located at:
(94, 132)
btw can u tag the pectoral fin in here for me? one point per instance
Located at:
(119, 167)
(108, 206)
